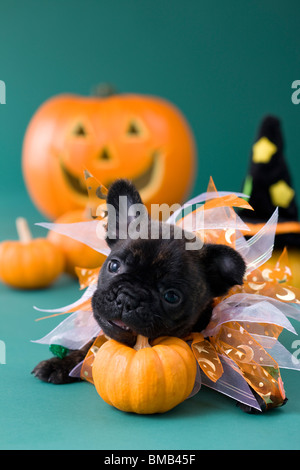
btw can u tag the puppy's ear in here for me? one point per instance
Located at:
(223, 268)
(124, 204)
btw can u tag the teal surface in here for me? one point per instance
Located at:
(225, 65)
(36, 415)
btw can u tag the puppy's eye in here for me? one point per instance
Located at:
(171, 296)
(114, 266)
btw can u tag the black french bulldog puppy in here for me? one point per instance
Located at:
(151, 286)
(156, 286)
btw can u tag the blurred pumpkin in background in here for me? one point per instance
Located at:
(142, 138)
(29, 263)
(76, 254)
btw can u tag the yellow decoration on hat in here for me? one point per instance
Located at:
(263, 150)
(281, 194)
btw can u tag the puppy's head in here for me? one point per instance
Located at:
(155, 286)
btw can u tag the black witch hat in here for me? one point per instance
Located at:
(269, 185)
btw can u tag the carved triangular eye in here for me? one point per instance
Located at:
(80, 130)
(133, 129)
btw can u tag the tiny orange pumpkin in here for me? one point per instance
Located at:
(145, 379)
(29, 263)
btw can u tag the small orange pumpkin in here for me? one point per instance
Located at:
(142, 138)
(76, 254)
(29, 263)
(145, 379)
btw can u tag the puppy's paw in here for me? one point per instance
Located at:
(253, 411)
(55, 371)
(249, 409)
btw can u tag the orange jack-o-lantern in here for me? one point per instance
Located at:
(142, 138)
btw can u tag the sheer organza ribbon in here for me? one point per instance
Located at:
(238, 352)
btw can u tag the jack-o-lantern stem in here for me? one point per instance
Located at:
(141, 343)
(104, 90)
(23, 230)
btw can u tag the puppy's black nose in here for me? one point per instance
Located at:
(126, 302)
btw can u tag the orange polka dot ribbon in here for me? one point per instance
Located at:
(252, 361)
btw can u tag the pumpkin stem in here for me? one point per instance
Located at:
(23, 230)
(88, 213)
(104, 90)
(141, 343)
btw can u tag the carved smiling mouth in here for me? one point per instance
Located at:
(76, 183)
(146, 183)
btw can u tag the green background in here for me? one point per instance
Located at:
(225, 65)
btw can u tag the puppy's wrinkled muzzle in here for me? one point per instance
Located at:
(126, 302)
(125, 312)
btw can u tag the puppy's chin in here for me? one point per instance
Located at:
(127, 333)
